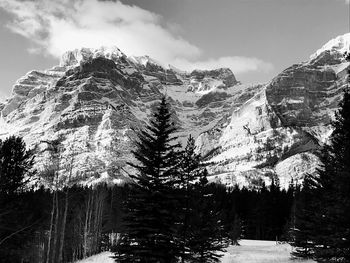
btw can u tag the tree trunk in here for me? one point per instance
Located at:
(100, 215)
(96, 219)
(51, 228)
(56, 231)
(86, 225)
(63, 228)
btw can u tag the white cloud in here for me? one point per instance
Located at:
(56, 26)
(236, 64)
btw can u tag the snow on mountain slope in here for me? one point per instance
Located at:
(248, 134)
(273, 135)
(338, 45)
(75, 57)
(93, 100)
(251, 147)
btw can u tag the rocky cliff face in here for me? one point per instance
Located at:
(247, 133)
(273, 135)
(94, 98)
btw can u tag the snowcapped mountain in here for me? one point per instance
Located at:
(274, 134)
(93, 100)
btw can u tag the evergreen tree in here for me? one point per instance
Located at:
(302, 221)
(332, 233)
(150, 221)
(235, 232)
(18, 215)
(327, 220)
(189, 173)
(205, 235)
(15, 164)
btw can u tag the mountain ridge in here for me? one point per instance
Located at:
(249, 134)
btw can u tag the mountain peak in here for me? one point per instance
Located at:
(340, 44)
(144, 60)
(74, 57)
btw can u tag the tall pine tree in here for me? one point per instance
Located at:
(303, 220)
(15, 165)
(332, 234)
(189, 174)
(200, 226)
(205, 235)
(150, 220)
(18, 217)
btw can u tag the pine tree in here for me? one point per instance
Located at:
(235, 231)
(205, 235)
(332, 242)
(16, 219)
(189, 173)
(301, 225)
(150, 221)
(15, 164)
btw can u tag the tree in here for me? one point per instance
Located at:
(15, 165)
(205, 235)
(302, 221)
(189, 173)
(333, 241)
(17, 213)
(327, 220)
(150, 219)
(235, 232)
(51, 175)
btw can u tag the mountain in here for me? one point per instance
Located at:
(274, 135)
(94, 98)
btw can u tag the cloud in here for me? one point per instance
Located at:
(236, 64)
(56, 26)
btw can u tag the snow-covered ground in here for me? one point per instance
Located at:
(103, 257)
(256, 251)
(249, 251)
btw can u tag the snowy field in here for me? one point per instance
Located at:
(256, 251)
(250, 251)
(103, 257)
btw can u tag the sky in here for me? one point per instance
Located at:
(257, 39)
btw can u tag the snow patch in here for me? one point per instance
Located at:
(104, 257)
(258, 251)
(339, 44)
